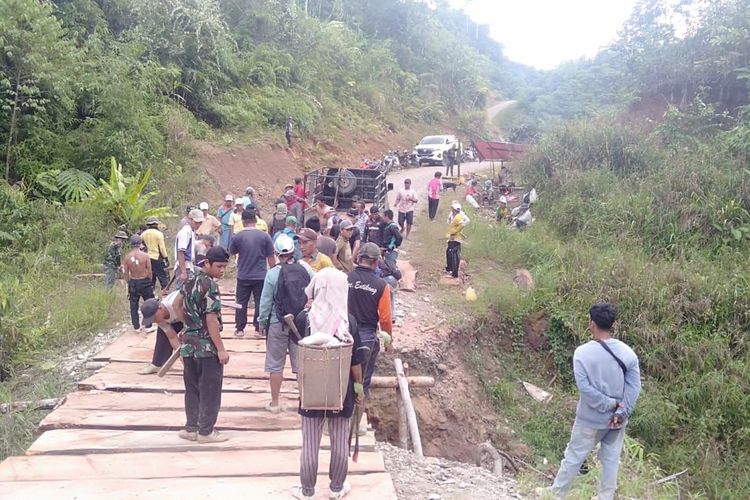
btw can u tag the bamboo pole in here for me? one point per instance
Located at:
(411, 416)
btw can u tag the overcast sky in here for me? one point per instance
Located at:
(544, 33)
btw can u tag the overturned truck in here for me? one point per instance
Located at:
(340, 187)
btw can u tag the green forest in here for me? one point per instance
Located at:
(640, 155)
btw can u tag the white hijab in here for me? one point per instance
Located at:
(329, 289)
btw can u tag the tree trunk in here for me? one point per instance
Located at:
(12, 128)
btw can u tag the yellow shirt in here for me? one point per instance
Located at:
(239, 226)
(321, 262)
(154, 240)
(209, 226)
(235, 221)
(455, 228)
(261, 224)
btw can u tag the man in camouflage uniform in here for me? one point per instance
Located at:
(112, 259)
(202, 351)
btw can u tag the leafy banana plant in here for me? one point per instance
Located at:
(124, 197)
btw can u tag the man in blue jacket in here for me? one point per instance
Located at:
(609, 381)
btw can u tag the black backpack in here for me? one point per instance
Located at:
(290, 297)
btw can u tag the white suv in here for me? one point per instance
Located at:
(431, 149)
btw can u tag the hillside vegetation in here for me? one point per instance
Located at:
(652, 214)
(100, 101)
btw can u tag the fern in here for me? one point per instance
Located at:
(75, 184)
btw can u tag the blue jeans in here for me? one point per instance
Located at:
(582, 441)
(391, 256)
(392, 284)
(370, 342)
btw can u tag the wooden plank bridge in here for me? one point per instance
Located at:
(115, 437)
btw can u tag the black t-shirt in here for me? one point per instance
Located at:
(254, 247)
(355, 237)
(358, 357)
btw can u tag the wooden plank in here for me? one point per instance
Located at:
(181, 464)
(244, 344)
(228, 334)
(244, 365)
(138, 401)
(370, 486)
(408, 276)
(64, 418)
(88, 441)
(127, 339)
(172, 383)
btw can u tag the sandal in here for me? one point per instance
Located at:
(273, 409)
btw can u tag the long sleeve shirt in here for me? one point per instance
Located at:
(267, 309)
(601, 382)
(456, 226)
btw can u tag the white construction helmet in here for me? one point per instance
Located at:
(283, 245)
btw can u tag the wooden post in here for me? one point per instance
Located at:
(411, 416)
(403, 429)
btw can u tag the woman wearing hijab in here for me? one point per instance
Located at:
(329, 289)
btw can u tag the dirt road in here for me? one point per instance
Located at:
(494, 110)
(421, 176)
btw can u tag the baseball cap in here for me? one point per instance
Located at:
(249, 190)
(369, 251)
(281, 209)
(217, 254)
(152, 220)
(346, 224)
(456, 205)
(196, 215)
(352, 213)
(238, 201)
(307, 234)
(135, 240)
(203, 205)
(503, 199)
(289, 193)
(149, 309)
(229, 197)
(330, 210)
(121, 235)
(291, 220)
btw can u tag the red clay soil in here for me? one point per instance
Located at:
(267, 166)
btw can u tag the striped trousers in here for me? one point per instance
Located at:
(312, 432)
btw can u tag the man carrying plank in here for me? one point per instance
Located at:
(203, 353)
(167, 315)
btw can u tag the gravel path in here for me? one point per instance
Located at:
(439, 479)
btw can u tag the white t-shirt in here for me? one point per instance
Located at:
(406, 200)
(185, 241)
(168, 302)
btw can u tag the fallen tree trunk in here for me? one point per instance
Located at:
(40, 404)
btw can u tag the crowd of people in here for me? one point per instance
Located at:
(315, 269)
(307, 263)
